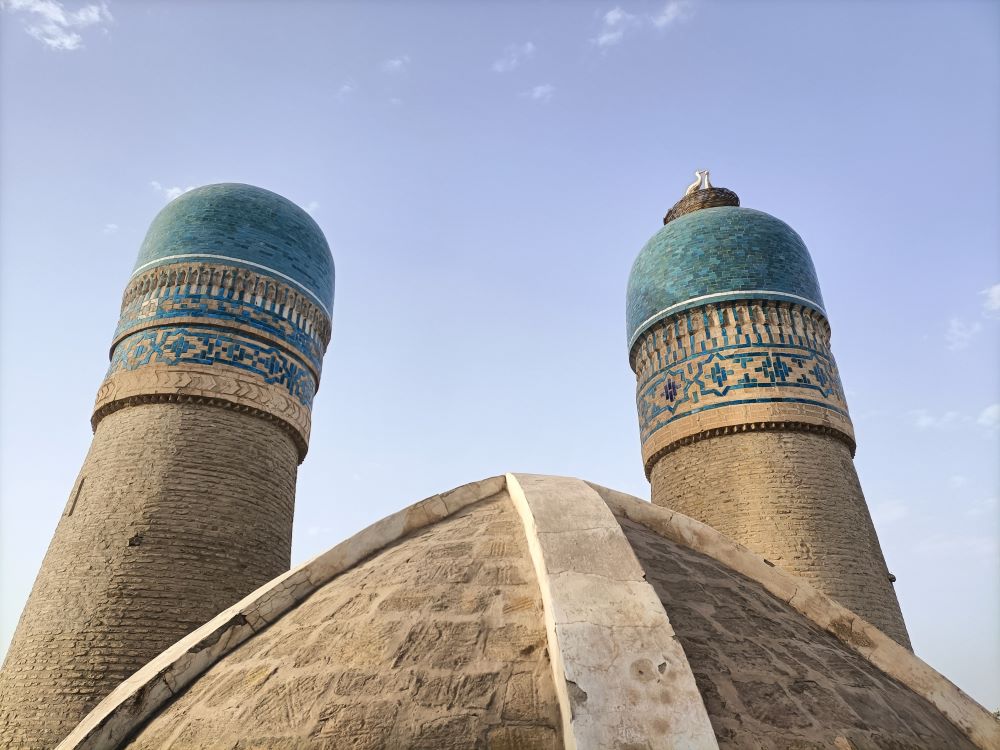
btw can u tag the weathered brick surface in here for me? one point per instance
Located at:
(772, 680)
(179, 511)
(793, 498)
(437, 642)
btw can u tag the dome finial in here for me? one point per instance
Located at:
(701, 182)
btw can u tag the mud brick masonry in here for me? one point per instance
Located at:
(747, 606)
(199, 428)
(742, 414)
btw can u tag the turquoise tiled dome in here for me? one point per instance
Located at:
(245, 226)
(718, 254)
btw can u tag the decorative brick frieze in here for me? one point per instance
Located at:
(747, 364)
(217, 335)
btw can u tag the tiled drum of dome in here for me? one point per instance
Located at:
(230, 300)
(726, 327)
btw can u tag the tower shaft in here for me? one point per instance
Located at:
(180, 510)
(184, 503)
(746, 429)
(742, 415)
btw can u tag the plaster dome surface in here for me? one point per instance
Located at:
(247, 226)
(530, 612)
(714, 255)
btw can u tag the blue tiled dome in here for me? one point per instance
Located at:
(717, 254)
(246, 226)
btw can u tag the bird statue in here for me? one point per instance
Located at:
(701, 183)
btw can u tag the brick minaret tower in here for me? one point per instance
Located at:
(742, 415)
(184, 502)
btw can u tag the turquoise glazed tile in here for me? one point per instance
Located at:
(718, 254)
(249, 227)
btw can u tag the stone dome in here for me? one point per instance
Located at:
(714, 255)
(245, 226)
(528, 612)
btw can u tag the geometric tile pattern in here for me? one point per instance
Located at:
(732, 364)
(220, 306)
(211, 346)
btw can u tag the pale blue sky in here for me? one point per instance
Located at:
(485, 174)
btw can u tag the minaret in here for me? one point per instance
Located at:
(742, 414)
(184, 503)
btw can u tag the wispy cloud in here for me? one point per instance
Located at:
(346, 89)
(541, 93)
(110, 228)
(312, 207)
(613, 26)
(396, 65)
(673, 12)
(944, 545)
(991, 305)
(925, 420)
(989, 417)
(170, 192)
(53, 25)
(982, 507)
(889, 511)
(958, 480)
(513, 55)
(960, 334)
(617, 23)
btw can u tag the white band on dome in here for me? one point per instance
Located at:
(706, 298)
(237, 260)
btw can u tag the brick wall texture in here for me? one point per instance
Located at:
(771, 679)
(179, 511)
(793, 498)
(435, 643)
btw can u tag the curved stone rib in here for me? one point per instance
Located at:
(611, 646)
(861, 636)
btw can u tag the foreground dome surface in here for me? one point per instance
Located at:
(714, 255)
(243, 225)
(536, 612)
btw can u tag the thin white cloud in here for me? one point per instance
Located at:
(960, 334)
(346, 89)
(312, 207)
(958, 480)
(53, 25)
(925, 420)
(110, 228)
(396, 65)
(618, 22)
(888, 512)
(982, 507)
(170, 192)
(991, 305)
(989, 417)
(541, 93)
(944, 545)
(613, 26)
(673, 12)
(513, 55)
